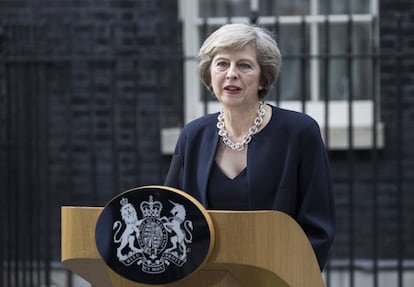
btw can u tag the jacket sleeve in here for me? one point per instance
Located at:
(316, 213)
(175, 171)
(173, 177)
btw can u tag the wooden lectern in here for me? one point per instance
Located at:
(259, 248)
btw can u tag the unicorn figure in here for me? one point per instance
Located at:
(182, 229)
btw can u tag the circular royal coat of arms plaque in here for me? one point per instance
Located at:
(154, 235)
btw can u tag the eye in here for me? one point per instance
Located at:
(245, 66)
(221, 64)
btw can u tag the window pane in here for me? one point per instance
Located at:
(339, 83)
(361, 38)
(205, 31)
(339, 37)
(337, 77)
(337, 49)
(283, 7)
(292, 85)
(224, 8)
(362, 76)
(293, 40)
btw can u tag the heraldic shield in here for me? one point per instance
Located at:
(154, 235)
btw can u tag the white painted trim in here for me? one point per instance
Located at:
(192, 107)
(269, 20)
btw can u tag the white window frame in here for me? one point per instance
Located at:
(362, 110)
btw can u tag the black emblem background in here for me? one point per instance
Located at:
(111, 213)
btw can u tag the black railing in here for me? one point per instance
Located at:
(76, 129)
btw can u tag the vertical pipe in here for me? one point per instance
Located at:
(44, 191)
(69, 172)
(158, 100)
(14, 167)
(92, 130)
(37, 172)
(269, 5)
(399, 158)
(9, 160)
(213, 9)
(136, 122)
(17, 165)
(3, 168)
(350, 155)
(26, 160)
(68, 130)
(204, 31)
(181, 59)
(47, 196)
(115, 150)
(69, 279)
(326, 85)
(114, 117)
(23, 82)
(303, 60)
(32, 130)
(278, 39)
(3, 152)
(229, 11)
(314, 50)
(374, 151)
(39, 175)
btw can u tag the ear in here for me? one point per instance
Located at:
(260, 88)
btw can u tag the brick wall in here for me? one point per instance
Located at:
(397, 103)
(379, 186)
(101, 78)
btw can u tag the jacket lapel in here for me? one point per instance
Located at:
(207, 158)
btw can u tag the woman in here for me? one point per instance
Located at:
(251, 155)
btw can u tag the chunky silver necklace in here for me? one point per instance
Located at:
(248, 137)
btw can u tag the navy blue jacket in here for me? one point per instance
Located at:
(287, 170)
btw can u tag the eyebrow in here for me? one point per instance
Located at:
(240, 60)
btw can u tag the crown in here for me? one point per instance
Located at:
(124, 201)
(151, 208)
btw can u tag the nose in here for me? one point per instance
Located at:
(231, 73)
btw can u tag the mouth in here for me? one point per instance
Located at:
(232, 88)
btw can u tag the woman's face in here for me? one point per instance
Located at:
(235, 76)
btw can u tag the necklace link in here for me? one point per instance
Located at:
(248, 137)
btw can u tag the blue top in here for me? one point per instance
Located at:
(225, 193)
(287, 170)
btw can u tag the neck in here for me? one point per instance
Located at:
(238, 121)
(238, 143)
